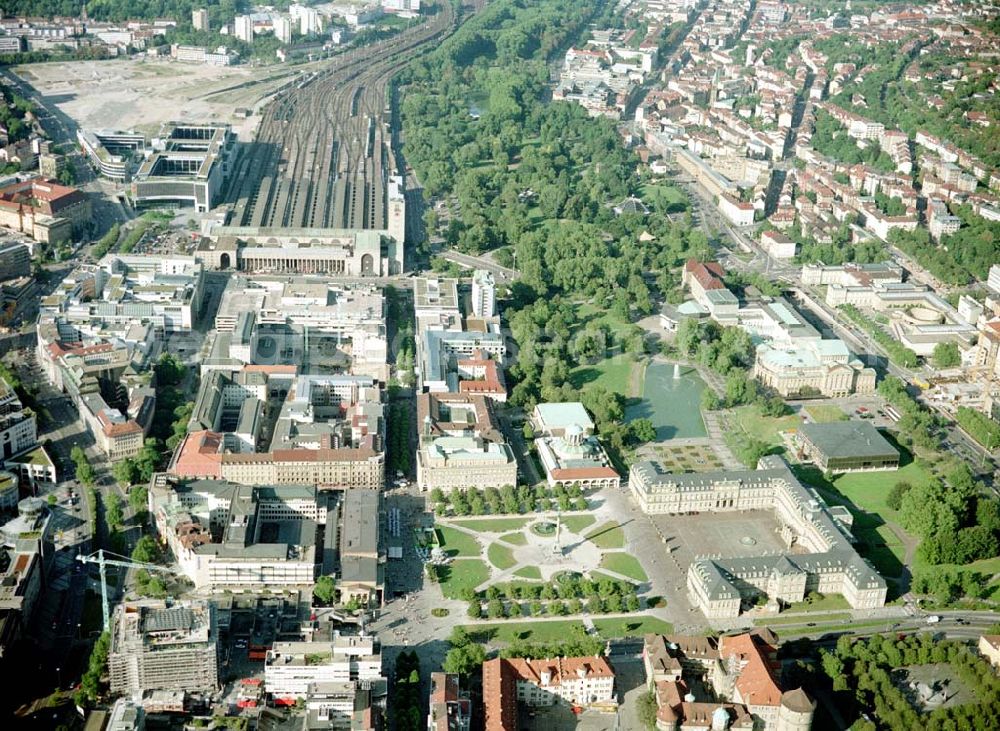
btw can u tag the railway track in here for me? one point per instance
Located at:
(322, 156)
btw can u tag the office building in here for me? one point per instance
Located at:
(15, 261)
(440, 352)
(303, 322)
(123, 289)
(111, 152)
(188, 166)
(461, 444)
(291, 668)
(326, 251)
(44, 210)
(155, 646)
(484, 294)
(436, 304)
(237, 536)
(824, 559)
(328, 431)
(18, 432)
(359, 567)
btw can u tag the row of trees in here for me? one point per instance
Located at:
(980, 427)
(90, 684)
(917, 425)
(500, 609)
(108, 240)
(865, 676)
(963, 256)
(13, 108)
(508, 499)
(949, 585)
(406, 697)
(399, 438)
(898, 353)
(468, 652)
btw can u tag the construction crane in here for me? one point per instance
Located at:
(102, 562)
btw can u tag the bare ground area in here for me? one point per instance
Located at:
(141, 95)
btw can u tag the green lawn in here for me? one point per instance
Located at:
(625, 564)
(636, 626)
(611, 373)
(749, 420)
(607, 535)
(534, 631)
(529, 572)
(868, 490)
(578, 523)
(600, 576)
(491, 525)
(864, 494)
(501, 556)
(664, 198)
(464, 573)
(515, 539)
(825, 413)
(829, 602)
(456, 543)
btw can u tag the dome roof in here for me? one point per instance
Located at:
(574, 430)
(720, 718)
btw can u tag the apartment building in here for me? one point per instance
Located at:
(155, 646)
(484, 294)
(450, 707)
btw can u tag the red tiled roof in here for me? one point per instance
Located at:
(756, 684)
(708, 274)
(199, 455)
(583, 473)
(499, 696)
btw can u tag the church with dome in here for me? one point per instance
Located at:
(568, 449)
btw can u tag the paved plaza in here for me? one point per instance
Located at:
(751, 533)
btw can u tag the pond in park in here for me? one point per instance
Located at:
(671, 399)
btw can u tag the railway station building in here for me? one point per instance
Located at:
(324, 251)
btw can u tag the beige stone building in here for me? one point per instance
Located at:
(821, 557)
(461, 444)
